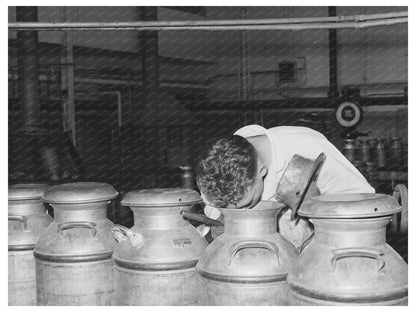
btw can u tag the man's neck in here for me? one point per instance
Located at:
(263, 148)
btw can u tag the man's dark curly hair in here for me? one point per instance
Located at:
(225, 169)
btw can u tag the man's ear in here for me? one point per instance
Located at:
(263, 171)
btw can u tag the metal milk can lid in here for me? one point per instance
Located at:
(346, 206)
(79, 192)
(161, 197)
(26, 191)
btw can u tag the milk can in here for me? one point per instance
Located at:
(365, 151)
(349, 150)
(248, 264)
(380, 151)
(27, 220)
(187, 177)
(154, 261)
(73, 255)
(396, 154)
(349, 262)
(372, 143)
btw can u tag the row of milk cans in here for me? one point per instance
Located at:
(79, 257)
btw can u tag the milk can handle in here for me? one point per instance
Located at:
(121, 233)
(400, 194)
(22, 219)
(71, 225)
(357, 252)
(235, 248)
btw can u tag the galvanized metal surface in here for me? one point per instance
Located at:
(75, 284)
(154, 261)
(22, 278)
(347, 206)
(27, 221)
(73, 256)
(248, 264)
(155, 287)
(162, 197)
(79, 192)
(400, 221)
(360, 21)
(26, 191)
(348, 262)
(299, 181)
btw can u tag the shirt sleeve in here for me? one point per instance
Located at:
(209, 210)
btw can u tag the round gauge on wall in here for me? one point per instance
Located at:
(348, 114)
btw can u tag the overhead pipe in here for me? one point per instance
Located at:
(298, 102)
(355, 21)
(333, 60)
(292, 27)
(162, 83)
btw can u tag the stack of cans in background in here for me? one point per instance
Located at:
(374, 155)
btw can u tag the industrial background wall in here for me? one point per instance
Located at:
(130, 107)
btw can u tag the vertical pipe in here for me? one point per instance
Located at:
(144, 99)
(27, 123)
(364, 57)
(333, 66)
(27, 66)
(150, 53)
(150, 70)
(67, 74)
(244, 50)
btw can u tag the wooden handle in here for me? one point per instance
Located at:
(201, 218)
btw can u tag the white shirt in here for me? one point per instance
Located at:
(337, 174)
